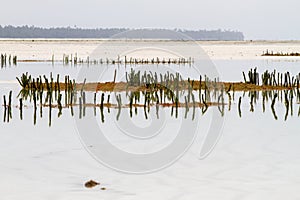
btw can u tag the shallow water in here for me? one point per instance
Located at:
(228, 70)
(256, 156)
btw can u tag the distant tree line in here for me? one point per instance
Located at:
(68, 32)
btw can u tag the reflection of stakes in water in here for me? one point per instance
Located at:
(176, 107)
(145, 105)
(272, 106)
(5, 108)
(172, 111)
(157, 110)
(84, 103)
(264, 96)
(239, 106)
(130, 103)
(251, 102)
(194, 106)
(102, 114)
(9, 105)
(102, 107)
(291, 101)
(80, 108)
(145, 112)
(152, 99)
(35, 108)
(204, 109)
(186, 107)
(41, 104)
(286, 101)
(59, 105)
(108, 104)
(148, 101)
(102, 101)
(222, 104)
(95, 102)
(119, 100)
(229, 101)
(72, 111)
(34, 116)
(136, 100)
(73, 98)
(21, 108)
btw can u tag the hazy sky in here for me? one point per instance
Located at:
(257, 19)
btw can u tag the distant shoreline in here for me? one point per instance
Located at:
(147, 40)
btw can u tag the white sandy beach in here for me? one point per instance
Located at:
(43, 49)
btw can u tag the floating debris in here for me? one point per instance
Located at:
(91, 184)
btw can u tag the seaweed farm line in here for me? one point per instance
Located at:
(144, 90)
(70, 60)
(8, 60)
(272, 53)
(135, 80)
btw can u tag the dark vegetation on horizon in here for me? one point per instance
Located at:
(68, 32)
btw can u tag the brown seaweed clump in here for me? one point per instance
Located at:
(91, 184)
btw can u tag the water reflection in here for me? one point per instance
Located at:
(142, 102)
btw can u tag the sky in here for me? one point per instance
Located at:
(257, 19)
